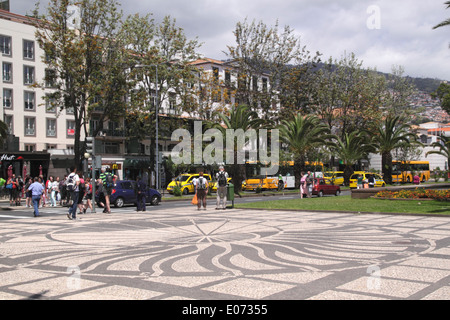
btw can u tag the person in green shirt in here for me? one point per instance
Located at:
(359, 182)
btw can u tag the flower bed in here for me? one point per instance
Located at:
(418, 193)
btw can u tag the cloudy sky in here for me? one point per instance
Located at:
(382, 33)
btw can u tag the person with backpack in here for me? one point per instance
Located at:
(72, 187)
(108, 184)
(202, 187)
(222, 178)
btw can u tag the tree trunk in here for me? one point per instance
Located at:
(386, 164)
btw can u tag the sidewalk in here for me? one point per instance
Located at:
(228, 255)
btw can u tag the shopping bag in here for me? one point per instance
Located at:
(194, 200)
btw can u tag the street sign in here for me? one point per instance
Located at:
(98, 162)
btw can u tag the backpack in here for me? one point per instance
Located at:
(222, 181)
(201, 183)
(70, 185)
(109, 182)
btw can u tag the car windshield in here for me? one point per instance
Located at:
(182, 178)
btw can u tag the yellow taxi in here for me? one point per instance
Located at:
(185, 181)
(334, 177)
(379, 182)
(263, 182)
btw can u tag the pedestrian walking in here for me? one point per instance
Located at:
(50, 193)
(309, 184)
(88, 195)
(302, 184)
(202, 187)
(81, 192)
(222, 178)
(19, 189)
(141, 187)
(72, 185)
(359, 182)
(28, 195)
(36, 189)
(55, 190)
(108, 184)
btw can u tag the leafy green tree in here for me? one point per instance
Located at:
(266, 51)
(79, 51)
(354, 147)
(443, 147)
(159, 58)
(239, 117)
(346, 96)
(388, 136)
(443, 93)
(303, 135)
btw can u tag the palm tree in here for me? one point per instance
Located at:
(303, 135)
(240, 117)
(444, 148)
(353, 147)
(446, 22)
(388, 136)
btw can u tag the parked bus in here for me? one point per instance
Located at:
(404, 171)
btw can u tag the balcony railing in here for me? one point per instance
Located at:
(119, 133)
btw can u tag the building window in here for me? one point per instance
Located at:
(50, 105)
(7, 98)
(7, 72)
(50, 146)
(216, 73)
(255, 83)
(5, 45)
(29, 100)
(70, 147)
(228, 78)
(264, 85)
(111, 147)
(50, 78)
(51, 128)
(9, 121)
(30, 147)
(28, 75)
(70, 128)
(28, 49)
(30, 126)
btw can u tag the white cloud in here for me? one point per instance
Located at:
(405, 36)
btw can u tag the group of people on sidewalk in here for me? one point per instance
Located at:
(201, 189)
(74, 190)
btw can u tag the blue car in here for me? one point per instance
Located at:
(124, 192)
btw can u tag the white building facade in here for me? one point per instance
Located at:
(34, 126)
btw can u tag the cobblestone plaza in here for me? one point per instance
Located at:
(225, 255)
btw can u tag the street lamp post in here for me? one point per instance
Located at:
(156, 118)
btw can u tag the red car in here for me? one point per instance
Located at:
(323, 187)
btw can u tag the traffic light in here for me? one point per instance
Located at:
(90, 145)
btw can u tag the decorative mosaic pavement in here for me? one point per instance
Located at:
(225, 255)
